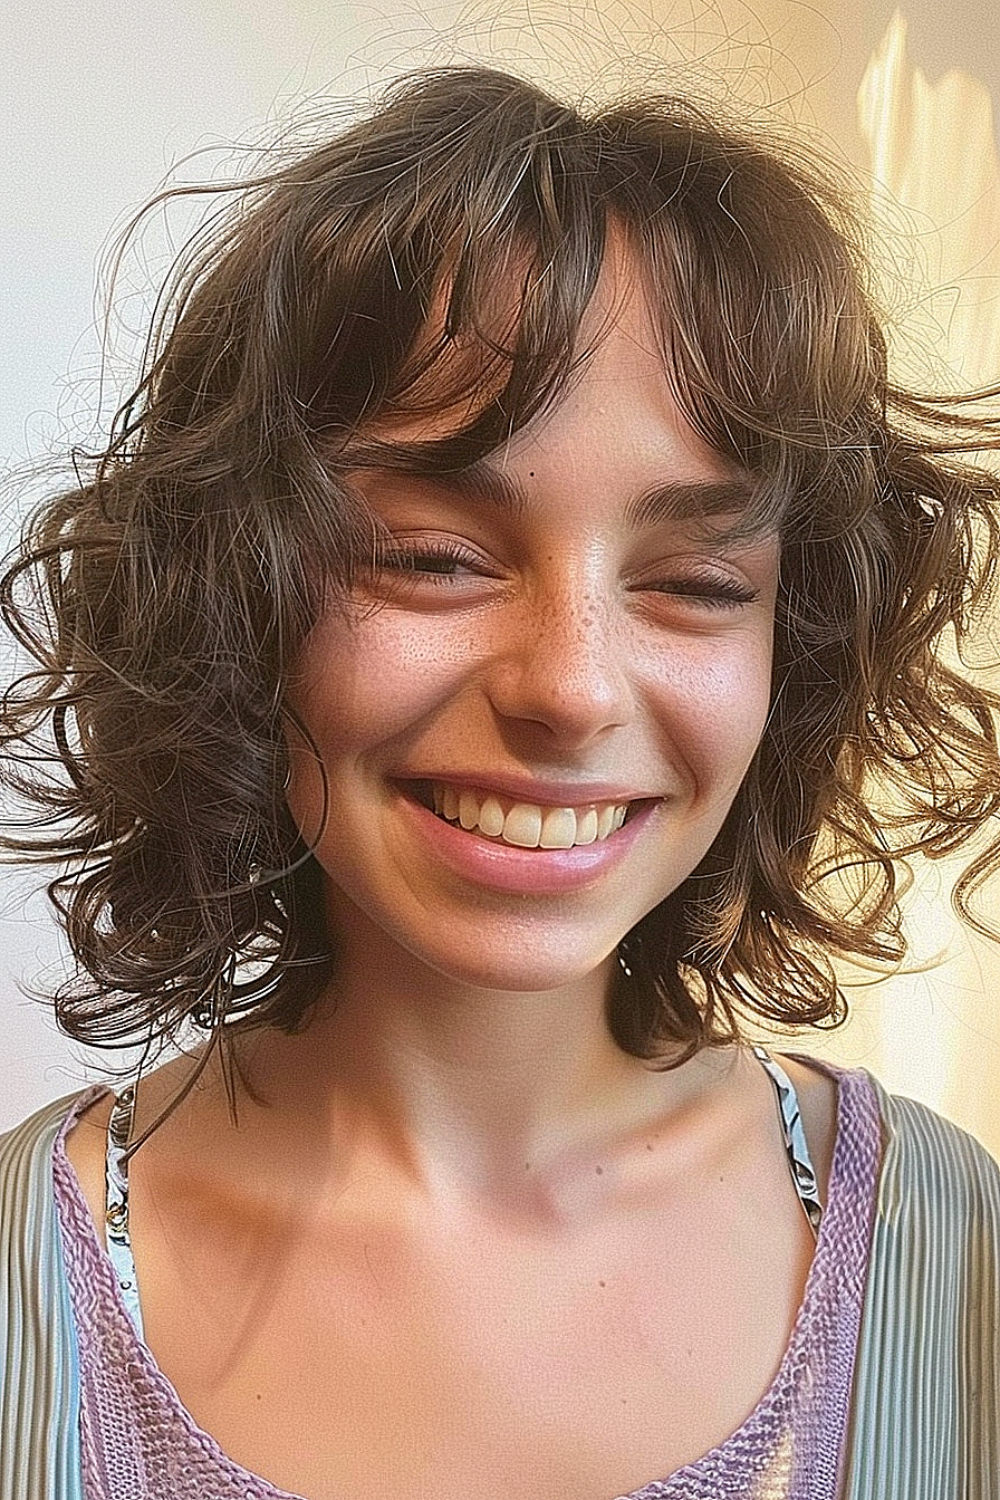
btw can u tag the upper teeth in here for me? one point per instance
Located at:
(525, 823)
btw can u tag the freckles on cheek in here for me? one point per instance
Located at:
(366, 682)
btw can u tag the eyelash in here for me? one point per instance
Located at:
(711, 590)
(405, 560)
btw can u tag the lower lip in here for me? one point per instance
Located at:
(505, 867)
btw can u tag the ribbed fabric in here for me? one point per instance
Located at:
(39, 1390)
(926, 1422)
(925, 1407)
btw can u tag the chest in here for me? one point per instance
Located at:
(492, 1366)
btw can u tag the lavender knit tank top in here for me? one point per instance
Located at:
(139, 1443)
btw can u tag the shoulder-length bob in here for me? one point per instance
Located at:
(164, 597)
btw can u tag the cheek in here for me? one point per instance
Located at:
(358, 687)
(712, 709)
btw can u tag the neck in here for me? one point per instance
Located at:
(451, 1097)
(460, 1090)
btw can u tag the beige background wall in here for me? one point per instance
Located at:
(102, 100)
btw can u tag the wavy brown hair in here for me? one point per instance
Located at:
(164, 596)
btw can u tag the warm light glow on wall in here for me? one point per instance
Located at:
(933, 1031)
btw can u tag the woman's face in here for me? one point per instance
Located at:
(561, 643)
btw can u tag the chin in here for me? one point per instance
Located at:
(530, 974)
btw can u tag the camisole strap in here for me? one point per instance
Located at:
(799, 1160)
(116, 1205)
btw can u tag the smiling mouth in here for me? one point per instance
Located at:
(525, 825)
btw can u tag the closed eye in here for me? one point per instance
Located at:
(713, 590)
(439, 562)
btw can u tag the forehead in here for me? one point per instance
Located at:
(452, 374)
(619, 399)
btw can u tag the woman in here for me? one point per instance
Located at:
(497, 652)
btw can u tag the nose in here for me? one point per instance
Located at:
(562, 662)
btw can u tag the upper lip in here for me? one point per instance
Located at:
(527, 789)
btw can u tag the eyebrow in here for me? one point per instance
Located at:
(671, 500)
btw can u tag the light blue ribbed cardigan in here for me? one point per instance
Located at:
(925, 1410)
